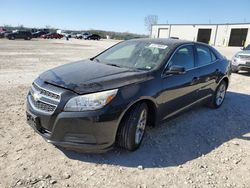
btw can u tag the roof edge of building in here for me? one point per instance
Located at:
(204, 24)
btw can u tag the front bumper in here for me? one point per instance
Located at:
(241, 67)
(77, 131)
(92, 131)
(240, 64)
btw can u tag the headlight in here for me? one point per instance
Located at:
(236, 56)
(236, 59)
(91, 101)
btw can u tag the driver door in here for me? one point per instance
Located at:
(180, 90)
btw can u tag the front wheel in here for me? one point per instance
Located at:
(132, 128)
(219, 95)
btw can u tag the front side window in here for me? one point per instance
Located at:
(141, 55)
(183, 57)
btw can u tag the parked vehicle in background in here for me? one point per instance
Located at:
(52, 36)
(73, 35)
(19, 35)
(2, 34)
(38, 34)
(6, 33)
(111, 98)
(241, 60)
(83, 35)
(93, 37)
(2, 31)
(67, 35)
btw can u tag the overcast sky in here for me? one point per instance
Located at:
(117, 15)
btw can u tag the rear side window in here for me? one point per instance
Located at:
(203, 56)
(213, 56)
(183, 57)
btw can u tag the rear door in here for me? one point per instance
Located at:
(180, 91)
(207, 69)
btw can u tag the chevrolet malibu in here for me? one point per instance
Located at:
(110, 99)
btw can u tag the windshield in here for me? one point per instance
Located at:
(247, 48)
(139, 55)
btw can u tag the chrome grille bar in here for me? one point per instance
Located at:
(44, 98)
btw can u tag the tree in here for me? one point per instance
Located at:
(149, 21)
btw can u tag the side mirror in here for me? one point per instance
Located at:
(242, 48)
(175, 69)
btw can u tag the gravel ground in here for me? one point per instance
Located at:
(200, 148)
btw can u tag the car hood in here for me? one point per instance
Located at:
(87, 76)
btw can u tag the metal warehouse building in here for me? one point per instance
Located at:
(214, 34)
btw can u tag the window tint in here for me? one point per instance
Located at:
(203, 56)
(183, 57)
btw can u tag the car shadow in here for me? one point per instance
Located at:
(186, 137)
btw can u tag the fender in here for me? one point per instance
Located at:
(144, 98)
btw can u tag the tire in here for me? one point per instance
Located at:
(218, 96)
(132, 128)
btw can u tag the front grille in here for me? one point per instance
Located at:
(44, 98)
(43, 106)
(46, 92)
(245, 57)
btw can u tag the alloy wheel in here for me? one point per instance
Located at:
(220, 95)
(141, 125)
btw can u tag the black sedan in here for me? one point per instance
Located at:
(110, 99)
(26, 35)
(93, 37)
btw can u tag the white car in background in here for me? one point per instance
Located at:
(241, 60)
(83, 35)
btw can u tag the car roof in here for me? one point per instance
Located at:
(168, 41)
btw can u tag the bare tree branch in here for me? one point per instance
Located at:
(149, 21)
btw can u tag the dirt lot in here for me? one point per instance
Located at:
(200, 148)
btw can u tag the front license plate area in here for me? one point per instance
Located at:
(32, 120)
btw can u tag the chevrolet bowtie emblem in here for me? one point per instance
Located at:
(36, 96)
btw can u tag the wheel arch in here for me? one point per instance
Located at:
(152, 106)
(226, 79)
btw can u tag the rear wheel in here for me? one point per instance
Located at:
(219, 95)
(132, 128)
